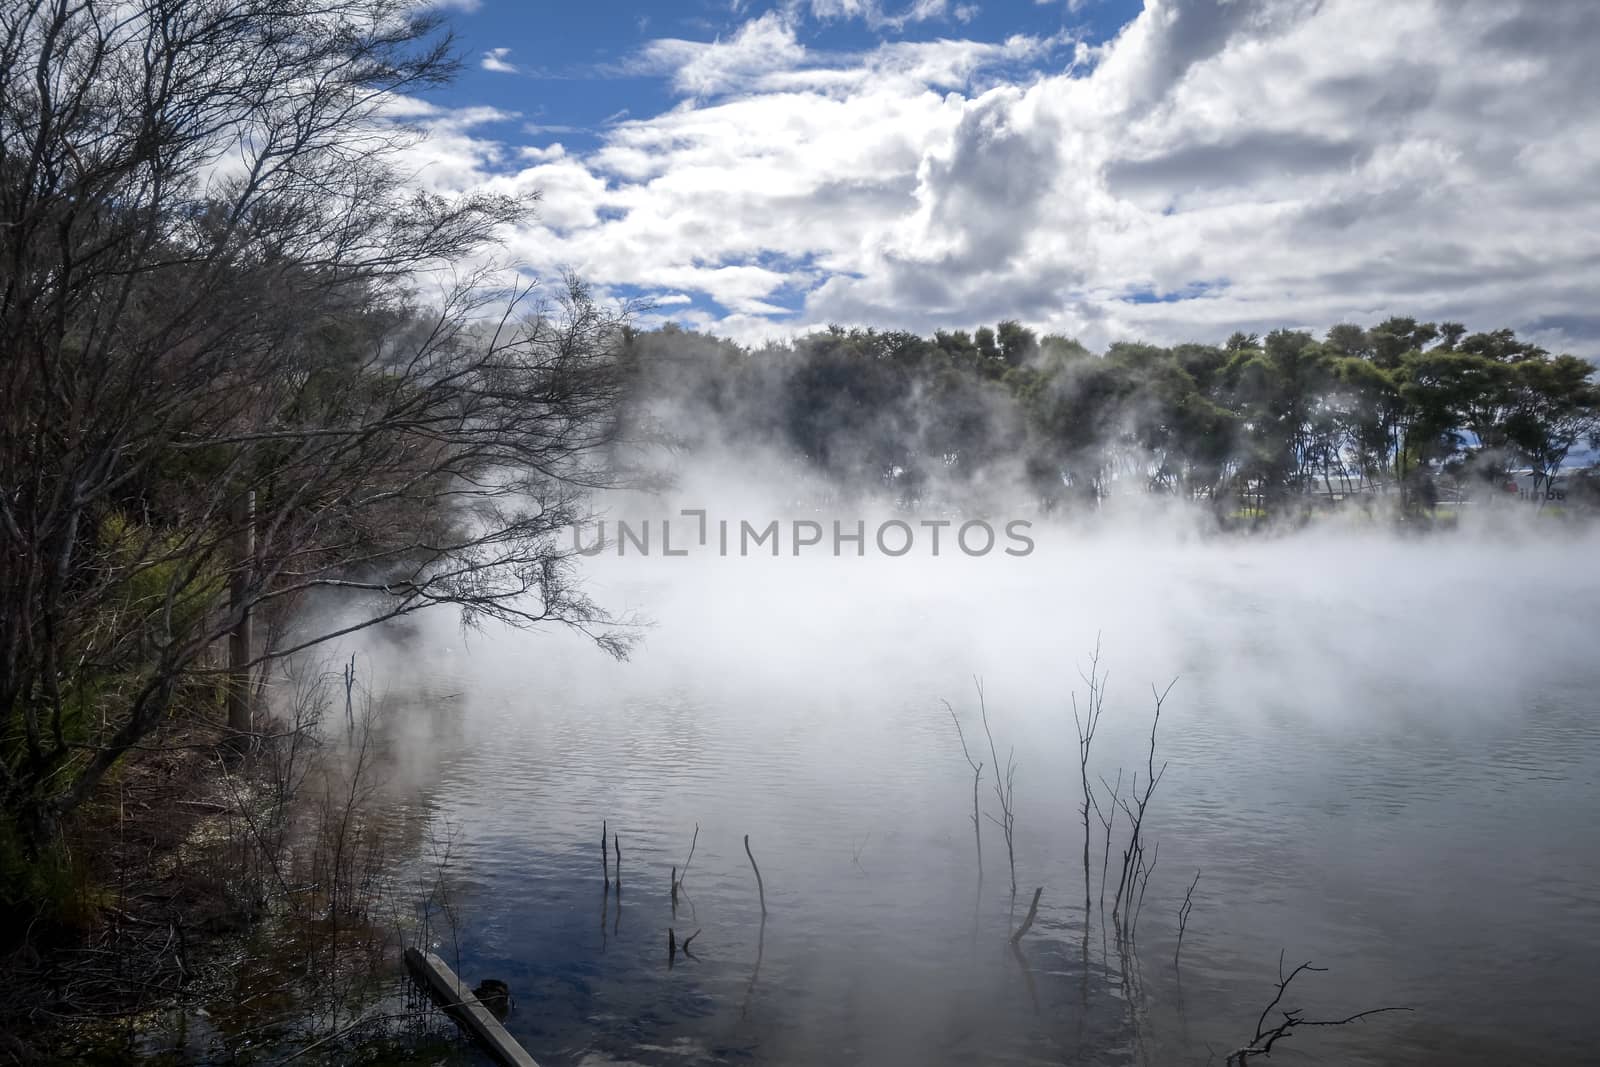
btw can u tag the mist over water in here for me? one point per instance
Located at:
(1382, 755)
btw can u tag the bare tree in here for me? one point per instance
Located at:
(210, 263)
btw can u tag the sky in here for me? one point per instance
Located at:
(1162, 171)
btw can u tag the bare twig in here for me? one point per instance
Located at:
(1004, 791)
(1263, 1040)
(677, 882)
(761, 889)
(1183, 915)
(1107, 821)
(1086, 724)
(1134, 869)
(977, 776)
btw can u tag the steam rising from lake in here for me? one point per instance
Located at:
(1383, 754)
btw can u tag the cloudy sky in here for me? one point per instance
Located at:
(1165, 170)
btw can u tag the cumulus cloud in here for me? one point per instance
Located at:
(1265, 162)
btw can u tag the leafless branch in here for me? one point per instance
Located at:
(1265, 1037)
(1183, 915)
(977, 776)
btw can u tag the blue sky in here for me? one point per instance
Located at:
(1145, 169)
(574, 66)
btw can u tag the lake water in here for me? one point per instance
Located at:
(1381, 756)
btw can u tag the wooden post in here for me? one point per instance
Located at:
(450, 994)
(240, 641)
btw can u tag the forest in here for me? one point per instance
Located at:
(1405, 409)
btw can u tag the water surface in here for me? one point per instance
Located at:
(1382, 757)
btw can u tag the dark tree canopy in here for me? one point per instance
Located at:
(1389, 408)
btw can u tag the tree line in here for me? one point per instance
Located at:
(1401, 407)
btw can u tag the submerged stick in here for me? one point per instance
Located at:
(604, 869)
(759, 887)
(1027, 920)
(1183, 915)
(755, 972)
(693, 841)
(677, 883)
(616, 843)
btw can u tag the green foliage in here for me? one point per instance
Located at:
(1391, 407)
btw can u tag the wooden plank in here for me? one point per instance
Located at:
(453, 996)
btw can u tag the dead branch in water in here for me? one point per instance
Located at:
(1183, 915)
(1027, 920)
(761, 889)
(616, 843)
(1107, 822)
(977, 776)
(605, 869)
(1134, 869)
(1086, 724)
(1144, 883)
(1004, 791)
(677, 882)
(1261, 1044)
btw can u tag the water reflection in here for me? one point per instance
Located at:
(879, 947)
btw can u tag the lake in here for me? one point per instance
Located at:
(1381, 755)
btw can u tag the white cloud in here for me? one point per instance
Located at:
(760, 46)
(877, 16)
(495, 59)
(1291, 162)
